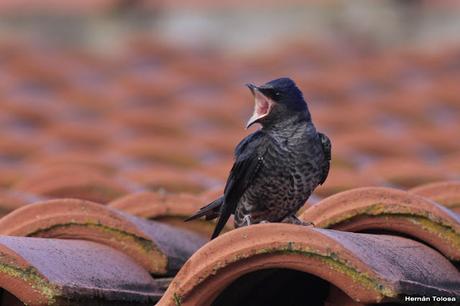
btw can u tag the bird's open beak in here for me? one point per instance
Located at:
(262, 105)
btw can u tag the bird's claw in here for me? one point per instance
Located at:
(247, 220)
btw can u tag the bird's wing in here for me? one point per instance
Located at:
(248, 162)
(326, 144)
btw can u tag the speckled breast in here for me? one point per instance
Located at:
(284, 183)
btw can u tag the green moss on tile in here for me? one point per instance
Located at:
(33, 278)
(438, 229)
(331, 259)
(177, 299)
(428, 221)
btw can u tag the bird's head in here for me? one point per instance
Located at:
(277, 101)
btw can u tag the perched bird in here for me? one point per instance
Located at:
(276, 168)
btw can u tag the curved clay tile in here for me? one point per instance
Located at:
(167, 208)
(72, 182)
(340, 179)
(221, 141)
(385, 209)
(167, 179)
(219, 116)
(333, 119)
(11, 200)
(31, 115)
(376, 143)
(406, 172)
(74, 158)
(171, 153)
(452, 162)
(152, 205)
(42, 272)
(81, 134)
(9, 176)
(368, 268)
(438, 138)
(218, 170)
(446, 193)
(159, 248)
(151, 120)
(404, 104)
(15, 148)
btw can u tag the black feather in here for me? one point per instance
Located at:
(249, 160)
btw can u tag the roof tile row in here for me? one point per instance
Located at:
(141, 140)
(362, 266)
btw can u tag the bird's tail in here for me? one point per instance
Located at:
(210, 211)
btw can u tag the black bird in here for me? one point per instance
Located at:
(276, 168)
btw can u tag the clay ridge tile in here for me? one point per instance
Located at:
(10, 200)
(57, 272)
(379, 208)
(446, 193)
(361, 265)
(152, 205)
(72, 182)
(167, 208)
(406, 172)
(159, 248)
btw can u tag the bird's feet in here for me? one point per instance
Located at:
(297, 221)
(247, 220)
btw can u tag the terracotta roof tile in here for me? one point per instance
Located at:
(9, 176)
(84, 134)
(84, 158)
(159, 248)
(151, 120)
(10, 200)
(15, 148)
(452, 163)
(340, 179)
(373, 142)
(153, 205)
(406, 172)
(446, 193)
(168, 179)
(390, 210)
(167, 152)
(362, 265)
(72, 182)
(438, 138)
(56, 272)
(167, 208)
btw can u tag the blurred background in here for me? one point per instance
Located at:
(100, 99)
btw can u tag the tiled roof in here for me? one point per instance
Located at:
(102, 158)
(391, 210)
(56, 272)
(361, 265)
(445, 193)
(159, 248)
(169, 208)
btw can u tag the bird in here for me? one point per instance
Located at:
(277, 167)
